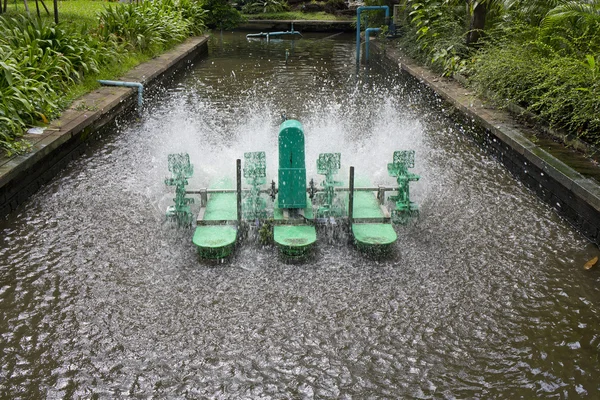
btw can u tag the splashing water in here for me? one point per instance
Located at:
(483, 297)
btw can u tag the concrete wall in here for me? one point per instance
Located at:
(299, 25)
(574, 196)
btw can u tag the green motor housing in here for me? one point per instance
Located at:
(292, 169)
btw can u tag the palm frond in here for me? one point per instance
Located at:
(571, 13)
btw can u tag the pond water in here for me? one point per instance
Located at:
(484, 296)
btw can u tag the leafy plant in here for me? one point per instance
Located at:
(540, 54)
(529, 11)
(435, 33)
(562, 90)
(149, 27)
(577, 14)
(374, 17)
(41, 62)
(573, 26)
(193, 12)
(221, 15)
(265, 6)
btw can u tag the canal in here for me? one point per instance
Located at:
(484, 296)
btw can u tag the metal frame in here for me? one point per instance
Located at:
(359, 10)
(204, 192)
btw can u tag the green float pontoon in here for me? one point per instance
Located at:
(216, 230)
(295, 240)
(371, 225)
(295, 207)
(215, 242)
(294, 231)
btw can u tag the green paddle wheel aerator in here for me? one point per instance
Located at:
(290, 211)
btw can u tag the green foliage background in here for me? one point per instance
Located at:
(265, 6)
(43, 65)
(540, 54)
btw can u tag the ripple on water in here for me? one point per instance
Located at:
(483, 297)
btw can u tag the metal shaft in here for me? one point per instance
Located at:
(351, 196)
(239, 190)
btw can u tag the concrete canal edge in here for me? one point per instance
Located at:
(571, 194)
(574, 196)
(21, 176)
(300, 25)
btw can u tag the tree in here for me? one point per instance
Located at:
(477, 10)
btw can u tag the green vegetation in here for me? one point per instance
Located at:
(221, 15)
(328, 10)
(265, 6)
(539, 54)
(149, 27)
(563, 90)
(44, 66)
(38, 62)
(78, 12)
(298, 15)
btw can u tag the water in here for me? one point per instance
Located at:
(484, 296)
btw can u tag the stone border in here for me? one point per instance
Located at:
(571, 194)
(21, 176)
(299, 24)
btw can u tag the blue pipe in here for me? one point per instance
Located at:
(273, 34)
(358, 11)
(137, 85)
(367, 32)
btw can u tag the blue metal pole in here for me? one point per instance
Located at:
(358, 11)
(367, 32)
(137, 85)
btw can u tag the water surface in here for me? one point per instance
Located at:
(483, 297)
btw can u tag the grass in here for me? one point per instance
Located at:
(298, 15)
(90, 82)
(80, 13)
(37, 82)
(76, 12)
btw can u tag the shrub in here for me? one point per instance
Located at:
(434, 33)
(221, 15)
(563, 90)
(38, 60)
(193, 12)
(265, 6)
(573, 27)
(149, 27)
(540, 54)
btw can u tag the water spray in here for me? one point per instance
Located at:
(296, 210)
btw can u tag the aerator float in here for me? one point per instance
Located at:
(290, 212)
